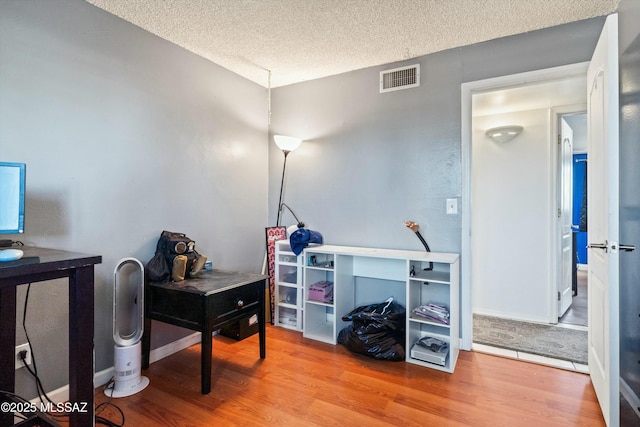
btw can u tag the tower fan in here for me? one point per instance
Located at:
(128, 325)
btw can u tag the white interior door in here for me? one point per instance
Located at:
(565, 211)
(603, 272)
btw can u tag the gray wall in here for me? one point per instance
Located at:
(124, 134)
(629, 197)
(371, 160)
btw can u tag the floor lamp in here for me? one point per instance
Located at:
(287, 144)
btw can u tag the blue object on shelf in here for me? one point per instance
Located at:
(301, 238)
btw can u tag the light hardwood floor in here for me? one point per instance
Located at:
(306, 383)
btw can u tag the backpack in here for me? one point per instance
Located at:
(174, 249)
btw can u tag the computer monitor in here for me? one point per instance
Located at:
(12, 190)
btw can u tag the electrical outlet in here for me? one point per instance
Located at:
(20, 348)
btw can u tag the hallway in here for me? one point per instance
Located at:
(577, 313)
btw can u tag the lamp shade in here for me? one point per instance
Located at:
(504, 133)
(287, 143)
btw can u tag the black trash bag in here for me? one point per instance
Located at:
(377, 331)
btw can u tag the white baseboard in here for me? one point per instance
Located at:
(101, 378)
(174, 347)
(58, 395)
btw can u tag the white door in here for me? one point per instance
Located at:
(602, 217)
(565, 213)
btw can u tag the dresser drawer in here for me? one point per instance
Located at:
(235, 302)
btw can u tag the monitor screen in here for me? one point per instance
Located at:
(12, 186)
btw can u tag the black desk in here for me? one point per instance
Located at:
(37, 265)
(204, 304)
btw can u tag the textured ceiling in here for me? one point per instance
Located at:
(298, 40)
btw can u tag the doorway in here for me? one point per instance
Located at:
(577, 312)
(522, 220)
(522, 211)
(512, 270)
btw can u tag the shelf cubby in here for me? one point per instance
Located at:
(289, 306)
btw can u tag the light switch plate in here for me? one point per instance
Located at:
(452, 206)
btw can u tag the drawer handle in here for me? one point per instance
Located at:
(240, 303)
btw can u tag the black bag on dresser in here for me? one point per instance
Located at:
(175, 258)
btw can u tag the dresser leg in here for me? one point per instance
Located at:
(205, 361)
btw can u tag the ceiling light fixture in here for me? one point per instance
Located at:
(504, 133)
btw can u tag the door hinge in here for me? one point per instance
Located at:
(559, 212)
(558, 295)
(559, 139)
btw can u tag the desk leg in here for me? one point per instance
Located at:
(8, 340)
(81, 358)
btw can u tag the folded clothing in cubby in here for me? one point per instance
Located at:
(321, 291)
(437, 313)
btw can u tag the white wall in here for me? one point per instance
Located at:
(124, 134)
(511, 219)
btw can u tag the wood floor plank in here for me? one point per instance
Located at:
(307, 383)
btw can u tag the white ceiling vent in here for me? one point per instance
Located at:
(400, 78)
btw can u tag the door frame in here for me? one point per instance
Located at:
(467, 91)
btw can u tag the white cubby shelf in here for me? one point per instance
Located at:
(362, 276)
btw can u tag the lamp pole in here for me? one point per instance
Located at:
(284, 168)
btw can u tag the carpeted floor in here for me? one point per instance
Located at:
(544, 340)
